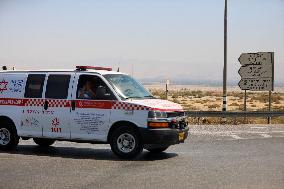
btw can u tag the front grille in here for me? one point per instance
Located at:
(175, 114)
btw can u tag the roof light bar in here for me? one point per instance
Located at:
(84, 68)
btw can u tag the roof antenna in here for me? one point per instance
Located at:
(4, 67)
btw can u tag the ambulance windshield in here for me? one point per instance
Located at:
(127, 87)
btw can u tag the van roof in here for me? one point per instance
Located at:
(101, 72)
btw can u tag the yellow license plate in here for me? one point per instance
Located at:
(181, 136)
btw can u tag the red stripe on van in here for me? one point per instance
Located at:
(166, 110)
(12, 101)
(101, 104)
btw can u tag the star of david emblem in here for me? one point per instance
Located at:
(3, 85)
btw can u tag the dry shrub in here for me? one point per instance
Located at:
(234, 104)
(199, 101)
(241, 107)
(205, 101)
(239, 95)
(213, 106)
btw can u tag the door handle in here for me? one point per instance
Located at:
(45, 106)
(73, 104)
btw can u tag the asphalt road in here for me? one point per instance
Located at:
(212, 157)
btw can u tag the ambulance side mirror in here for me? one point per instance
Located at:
(102, 93)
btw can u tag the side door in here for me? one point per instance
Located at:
(56, 113)
(90, 116)
(31, 118)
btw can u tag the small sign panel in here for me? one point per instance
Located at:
(256, 84)
(260, 58)
(257, 71)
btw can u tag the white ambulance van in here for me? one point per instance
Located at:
(88, 104)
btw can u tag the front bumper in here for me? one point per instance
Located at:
(166, 136)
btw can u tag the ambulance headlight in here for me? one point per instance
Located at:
(157, 114)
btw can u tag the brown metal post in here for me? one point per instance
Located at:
(245, 105)
(166, 91)
(245, 101)
(270, 92)
(269, 108)
(167, 88)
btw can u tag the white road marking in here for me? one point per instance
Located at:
(259, 132)
(277, 132)
(265, 135)
(258, 127)
(226, 133)
(234, 136)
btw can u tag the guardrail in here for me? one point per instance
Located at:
(234, 114)
(268, 114)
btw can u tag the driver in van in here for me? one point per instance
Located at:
(86, 92)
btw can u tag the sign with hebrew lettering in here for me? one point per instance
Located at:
(262, 84)
(257, 71)
(260, 58)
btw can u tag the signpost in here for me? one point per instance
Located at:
(167, 86)
(257, 73)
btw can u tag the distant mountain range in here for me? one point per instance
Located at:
(151, 81)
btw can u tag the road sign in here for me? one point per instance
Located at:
(260, 58)
(257, 71)
(256, 84)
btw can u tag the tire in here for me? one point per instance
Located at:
(125, 142)
(9, 138)
(155, 148)
(43, 142)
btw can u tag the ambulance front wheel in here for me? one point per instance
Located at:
(125, 142)
(8, 136)
(43, 142)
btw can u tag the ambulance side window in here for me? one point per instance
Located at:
(57, 86)
(88, 88)
(34, 86)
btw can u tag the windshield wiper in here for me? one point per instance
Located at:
(133, 97)
(149, 96)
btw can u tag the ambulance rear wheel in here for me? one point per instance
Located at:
(43, 142)
(8, 137)
(125, 142)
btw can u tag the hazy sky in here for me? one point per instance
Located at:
(166, 38)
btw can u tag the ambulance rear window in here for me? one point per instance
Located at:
(57, 86)
(34, 86)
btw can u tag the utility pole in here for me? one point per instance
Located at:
(224, 108)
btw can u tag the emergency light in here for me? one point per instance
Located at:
(84, 68)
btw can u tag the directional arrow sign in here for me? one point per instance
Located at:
(263, 84)
(260, 58)
(256, 71)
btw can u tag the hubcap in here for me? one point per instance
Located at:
(125, 142)
(4, 136)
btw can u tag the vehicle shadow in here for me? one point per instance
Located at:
(84, 153)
